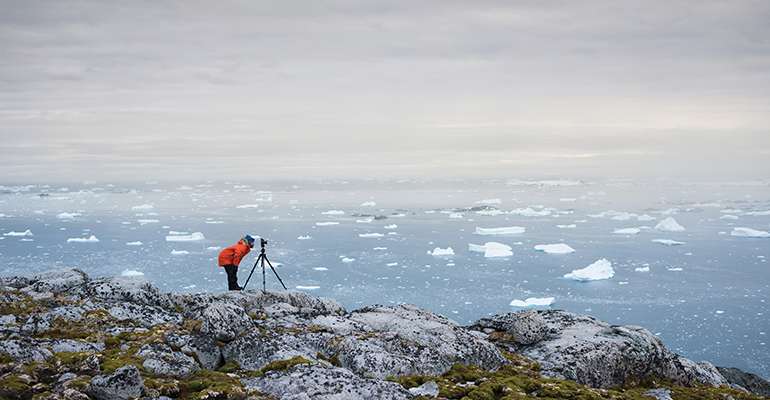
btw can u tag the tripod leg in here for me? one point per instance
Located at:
(252, 271)
(276, 274)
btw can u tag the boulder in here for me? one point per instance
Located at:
(257, 349)
(225, 322)
(159, 358)
(144, 314)
(750, 382)
(24, 350)
(57, 281)
(133, 289)
(204, 347)
(120, 385)
(324, 383)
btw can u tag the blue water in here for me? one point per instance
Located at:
(706, 299)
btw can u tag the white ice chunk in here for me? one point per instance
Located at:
(511, 230)
(729, 216)
(25, 233)
(669, 224)
(68, 215)
(568, 200)
(304, 238)
(456, 215)
(559, 248)
(380, 248)
(128, 272)
(391, 226)
(497, 252)
(178, 233)
(667, 242)
(209, 221)
(92, 239)
(179, 252)
(566, 226)
(365, 220)
(670, 211)
(442, 252)
(489, 202)
(348, 260)
(333, 212)
(368, 204)
(529, 212)
(757, 213)
(248, 206)
(321, 269)
(627, 231)
(533, 302)
(645, 217)
(731, 211)
(371, 235)
(748, 232)
(623, 216)
(327, 223)
(185, 238)
(134, 243)
(642, 269)
(142, 207)
(307, 287)
(148, 221)
(601, 269)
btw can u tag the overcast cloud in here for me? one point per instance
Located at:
(138, 90)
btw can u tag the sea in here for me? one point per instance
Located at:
(688, 260)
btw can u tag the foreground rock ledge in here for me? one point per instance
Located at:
(98, 338)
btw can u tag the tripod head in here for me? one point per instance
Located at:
(263, 242)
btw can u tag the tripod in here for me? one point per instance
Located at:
(262, 258)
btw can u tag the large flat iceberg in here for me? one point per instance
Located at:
(669, 224)
(748, 232)
(559, 248)
(92, 239)
(12, 233)
(533, 302)
(511, 230)
(668, 242)
(601, 269)
(442, 252)
(491, 249)
(627, 231)
(185, 238)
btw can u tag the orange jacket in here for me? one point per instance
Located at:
(233, 254)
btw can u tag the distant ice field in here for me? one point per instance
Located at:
(374, 242)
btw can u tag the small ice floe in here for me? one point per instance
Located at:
(371, 235)
(211, 221)
(456, 216)
(368, 204)
(675, 269)
(731, 211)
(185, 238)
(26, 240)
(748, 232)
(213, 248)
(134, 243)
(380, 248)
(627, 231)
(601, 269)
(757, 213)
(533, 302)
(304, 238)
(669, 225)
(489, 202)
(624, 216)
(68, 215)
(668, 242)
(729, 216)
(645, 217)
(178, 233)
(327, 223)
(442, 252)
(248, 206)
(143, 207)
(670, 211)
(333, 212)
(559, 248)
(365, 220)
(492, 249)
(25, 233)
(128, 272)
(321, 269)
(148, 221)
(568, 200)
(307, 287)
(348, 260)
(179, 252)
(642, 269)
(529, 212)
(566, 226)
(392, 264)
(92, 239)
(511, 230)
(391, 226)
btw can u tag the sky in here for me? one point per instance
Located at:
(248, 90)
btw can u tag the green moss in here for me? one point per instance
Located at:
(5, 359)
(117, 358)
(202, 381)
(70, 358)
(14, 383)
(284, 365)
(335, 361)
(230, 367)
(111, 343)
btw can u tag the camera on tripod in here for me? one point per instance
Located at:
(263, 242)
(261, 261)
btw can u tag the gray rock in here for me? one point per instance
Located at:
(133, 289)
(24, 350)
(14, 282)
(72, 346)
(257, 349)
(225, 322)
(204, 347)
(429, 388)
(159, 358)
(38, 322)
(120, 385)
(660, 394)
(57, 281)
(323, 383)
(748, 381)
(144, 314)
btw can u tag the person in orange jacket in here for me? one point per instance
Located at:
(231, 257)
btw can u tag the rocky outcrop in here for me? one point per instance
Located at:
(590, 352)
(751, 382)
(67, 336)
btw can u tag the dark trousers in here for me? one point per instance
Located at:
(232, 277)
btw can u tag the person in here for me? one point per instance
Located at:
(230, 257)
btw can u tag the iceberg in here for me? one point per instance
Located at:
(12, 233)
(529, 212)
(624, 216)
(442, 252)
(208, 221)
(364, 221)
(512, 230)
(566, 226)
(667, 242)
(348, 260)
(533, 302)
(729, 216)
(142, 207)
(645, 217)
(757, 213)
(748, 232)
(392, 226)
(670, 211)
(642, 269)
(601, 269)
(134, 243)
(92, 239)
(559, 248)
(669, 224)
(368, 235)
(368, 204)
(68, 215)
(489, 202)
(148, 221)
(185, 238)
(491, 249)
(333, 212)
(304, 238)
(179, 252)
(128, 272)
(248, 206)
(307, 287)
(627, 231)
(456, 216)
(327, 223)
